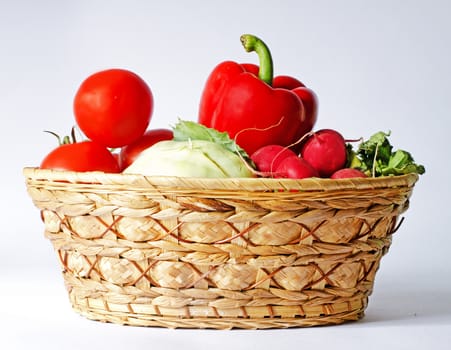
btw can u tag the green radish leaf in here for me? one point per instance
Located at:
(376, 157)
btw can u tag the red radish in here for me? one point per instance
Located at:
(294, 167)
(325, 150)
(347, 173)
(268, 158)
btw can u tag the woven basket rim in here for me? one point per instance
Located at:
(94, 179)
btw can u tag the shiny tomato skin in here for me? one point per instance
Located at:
(81, 156)
(129, 152)
(113, 107)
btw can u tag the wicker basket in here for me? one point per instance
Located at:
(218, 253)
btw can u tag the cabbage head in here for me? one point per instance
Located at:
(191, 158)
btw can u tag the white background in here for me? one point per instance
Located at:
(375, 65)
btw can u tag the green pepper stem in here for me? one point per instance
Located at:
(252, 43)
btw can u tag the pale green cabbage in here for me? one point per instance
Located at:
(192, 158)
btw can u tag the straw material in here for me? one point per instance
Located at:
(218, 253)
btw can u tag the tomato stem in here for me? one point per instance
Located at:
(252, 43)
(72, 134)
(66, 139)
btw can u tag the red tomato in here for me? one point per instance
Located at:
(81, 156)
(129, 152)
(113, 107)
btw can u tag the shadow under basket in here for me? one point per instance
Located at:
(218, 253)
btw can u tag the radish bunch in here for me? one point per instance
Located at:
(322, 154)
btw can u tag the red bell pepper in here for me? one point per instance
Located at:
(307, 96)
(252, 106)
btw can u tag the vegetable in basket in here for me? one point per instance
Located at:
(196, 151)
(325, 150)
(81, 156)
(192, 158)
(375, 157)
(87, 155)
(130, 152)
(325, 153)
(113, 107)
(252, 109)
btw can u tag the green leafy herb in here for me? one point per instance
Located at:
(402, 162)
(186, 130)
(378, 145)
(376, 157)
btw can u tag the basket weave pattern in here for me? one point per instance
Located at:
(218, 253)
